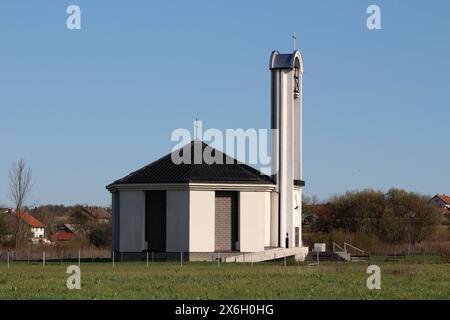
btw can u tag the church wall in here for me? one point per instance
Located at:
(201, 221)
(131, 221)
(177, 223)
(298, 215)
(274, 201)
(190, 221)
(267, 218)
(115, 221)
(252, 208)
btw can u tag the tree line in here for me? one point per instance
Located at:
(395, 216)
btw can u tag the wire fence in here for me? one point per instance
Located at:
(74, 255)
(33, 254)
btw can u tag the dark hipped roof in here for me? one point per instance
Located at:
(165, 170)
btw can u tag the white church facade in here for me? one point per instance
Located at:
(205, 210)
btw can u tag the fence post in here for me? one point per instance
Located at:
(43, 258)
(7, 258)
(28, 255)
(79, 257)
(181, 258)
(92, 255)
(113, 258)
(147, 259)
(218, 259)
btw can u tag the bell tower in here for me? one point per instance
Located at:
(286, 124)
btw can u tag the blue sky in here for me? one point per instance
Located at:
(86, 107)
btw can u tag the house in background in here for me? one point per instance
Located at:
(308, 218)
(37, 228)
(71, 227)
(84, 215)
(442, 201)
(65, 232)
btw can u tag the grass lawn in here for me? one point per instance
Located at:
(133, 280)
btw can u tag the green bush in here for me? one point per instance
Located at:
(397, 216)
(100, 235)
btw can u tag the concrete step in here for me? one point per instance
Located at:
(269, 254)
(344, 255)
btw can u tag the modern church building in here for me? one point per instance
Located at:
(224, 209)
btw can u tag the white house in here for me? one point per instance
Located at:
(37, 228)
(201, 209)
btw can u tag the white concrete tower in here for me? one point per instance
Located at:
(287, 71)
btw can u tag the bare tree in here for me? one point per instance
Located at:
(20, 185)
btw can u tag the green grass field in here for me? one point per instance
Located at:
(134, 280)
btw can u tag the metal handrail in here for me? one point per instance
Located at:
(338, 246)
(353, 247)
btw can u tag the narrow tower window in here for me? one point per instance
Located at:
(296, 81)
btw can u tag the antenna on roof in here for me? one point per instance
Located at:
(294, 37)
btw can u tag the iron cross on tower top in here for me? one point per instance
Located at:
(294, 37)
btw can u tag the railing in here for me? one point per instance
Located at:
(362, 252)
(335, 245)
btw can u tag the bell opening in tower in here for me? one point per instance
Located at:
(297, 79)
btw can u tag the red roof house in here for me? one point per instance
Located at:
(30, 220)
(62, 235)
(442, 200)
(37, 228)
